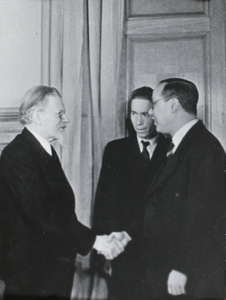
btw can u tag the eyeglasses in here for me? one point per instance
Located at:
(61, 114)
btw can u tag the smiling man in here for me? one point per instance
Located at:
(185, 206)
(40, 234)
(129, 164)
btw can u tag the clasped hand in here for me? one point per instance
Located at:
(111, 245)
(176, 283)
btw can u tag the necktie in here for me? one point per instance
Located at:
(145, 153)
(170, 149)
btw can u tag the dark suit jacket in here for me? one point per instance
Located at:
(184, 219)
(41, 233)
(119, 205)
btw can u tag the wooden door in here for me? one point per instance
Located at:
(174, 38)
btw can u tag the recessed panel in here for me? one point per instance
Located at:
(156, 7)
(156, 60)
(9, 127)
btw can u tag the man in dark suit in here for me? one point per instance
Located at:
(185, 211)
(40, 234)
(128, 167)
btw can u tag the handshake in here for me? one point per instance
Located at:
(111, 245)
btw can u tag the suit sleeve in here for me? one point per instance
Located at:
(201, 243)
(105, 211)
(28, 198)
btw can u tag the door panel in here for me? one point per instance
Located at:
(156, 59)
(147, 7)
(185, 39)
(9, 125)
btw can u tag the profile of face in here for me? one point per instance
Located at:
(141, 119)
(161, 111)
(53, 119)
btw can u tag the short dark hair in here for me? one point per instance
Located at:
(144, 92)
(33, 98)
(184, 90)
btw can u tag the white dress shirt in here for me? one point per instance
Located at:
(151, 147)
(180, 134)
(45, 144)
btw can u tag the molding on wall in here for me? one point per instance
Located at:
(9, 125)
(149, 14)
(158, 26)
(9, 114)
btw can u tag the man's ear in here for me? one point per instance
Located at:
(174, 104)
(36, 116)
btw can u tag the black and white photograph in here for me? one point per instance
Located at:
(112, 149)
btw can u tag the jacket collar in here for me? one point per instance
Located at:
(34, 143)
(179, 155)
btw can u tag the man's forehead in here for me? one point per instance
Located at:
(140, 105)
(158, 90)
(54, 102)
(139, 100)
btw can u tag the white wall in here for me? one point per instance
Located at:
(20, 49)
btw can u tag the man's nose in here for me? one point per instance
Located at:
(65, 119)
(139, 119)
(150, 112)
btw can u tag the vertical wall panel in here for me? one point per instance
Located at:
(180, 39)
(156, 7)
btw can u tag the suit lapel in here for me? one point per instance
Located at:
(167, 171)
(158, 158)
(138, 170)
(177, 157)
(159, 153)
(133, 148)
(134, 160)
(35, 145)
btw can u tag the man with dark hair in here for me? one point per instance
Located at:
(40, 234)
(184, 90)
(185, 211)
(128, 167)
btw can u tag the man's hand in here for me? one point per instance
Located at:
(110, 248)
(176, 283)
(123, 237)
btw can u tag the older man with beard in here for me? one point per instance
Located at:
(40, 234)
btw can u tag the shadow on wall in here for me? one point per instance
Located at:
(2, 287)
